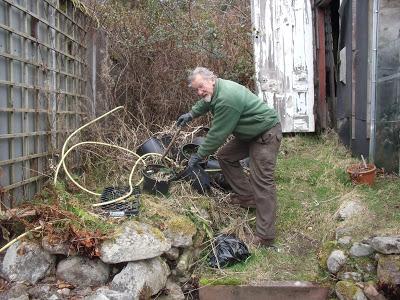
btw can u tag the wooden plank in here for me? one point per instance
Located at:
(10, 101)
(24, 158)
(34, 110)
(321, 68)
(25, 163)
(9, 188)
(25, 134)
(283, 55)
(35, 87)
(353, 67)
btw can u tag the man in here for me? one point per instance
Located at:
(257, 133)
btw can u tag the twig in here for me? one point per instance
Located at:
(19, 237)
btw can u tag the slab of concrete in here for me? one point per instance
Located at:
(272, 290)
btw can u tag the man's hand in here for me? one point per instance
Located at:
(194, 160)
(184, 119)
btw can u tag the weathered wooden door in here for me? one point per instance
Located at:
(283, 53)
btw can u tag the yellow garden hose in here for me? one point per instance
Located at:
(62, 161)
(64, 154)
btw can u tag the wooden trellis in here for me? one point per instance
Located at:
(43, 75)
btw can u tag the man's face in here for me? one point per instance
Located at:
(203, 87)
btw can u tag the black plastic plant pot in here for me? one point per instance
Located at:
(198, 178)
(151, 145)
(166, 139)
(187, 150)
(157, 179)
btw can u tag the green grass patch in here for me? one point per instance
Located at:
(311, 184)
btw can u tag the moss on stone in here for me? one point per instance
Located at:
(181, 224)
(324, 253)
(347, 289)
(157, 233)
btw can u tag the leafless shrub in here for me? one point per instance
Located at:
(150, 45)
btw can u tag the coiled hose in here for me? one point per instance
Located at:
(65, 154)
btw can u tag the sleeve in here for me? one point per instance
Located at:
(200, 108)
(223, 124)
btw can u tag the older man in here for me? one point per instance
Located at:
(257, 134)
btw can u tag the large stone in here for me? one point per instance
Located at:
(134, 241)
(386, 244)
(104, 293)
(360, 249)
(346, 290)
(52, 247)
(335, 261)
(83, 271)
(389, 269)
(27, 261)
(349, 209)
(143, 278)
(172, 291)
(185, 261)
(180, 231)
(372, 294)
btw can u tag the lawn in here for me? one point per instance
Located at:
(312, 183)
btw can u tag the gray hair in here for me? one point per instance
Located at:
(204, 72)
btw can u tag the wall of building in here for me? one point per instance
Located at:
(283, 54)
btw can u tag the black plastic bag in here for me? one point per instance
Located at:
(228, 251)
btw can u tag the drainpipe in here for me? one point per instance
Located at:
(374, 52)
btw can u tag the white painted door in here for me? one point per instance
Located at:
(283, 53)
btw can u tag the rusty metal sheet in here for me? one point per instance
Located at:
(269, 291)
(283, 53)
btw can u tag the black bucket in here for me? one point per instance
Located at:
(153, 186)
(151, 145)
(199, 178)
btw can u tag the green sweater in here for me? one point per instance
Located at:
(236, 110)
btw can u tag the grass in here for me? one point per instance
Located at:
(311, 184)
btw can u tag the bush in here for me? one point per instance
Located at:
(151, 45)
